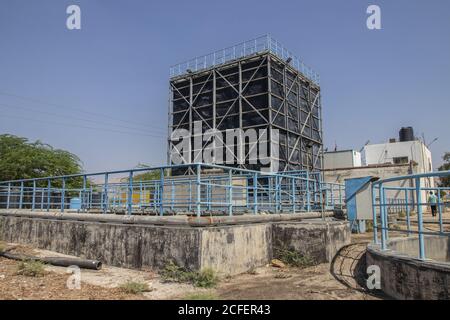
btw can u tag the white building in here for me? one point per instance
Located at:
(402, 152)
(341, 159)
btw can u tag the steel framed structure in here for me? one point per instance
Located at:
(254, 85)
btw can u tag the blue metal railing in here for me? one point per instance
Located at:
(412, 201)
(258, 45)
(206, 189)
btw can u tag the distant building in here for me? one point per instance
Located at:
(407, 150)
(385, 160)
(342, 159)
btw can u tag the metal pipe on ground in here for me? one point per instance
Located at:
(56, 261)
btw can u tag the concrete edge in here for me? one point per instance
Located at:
(375, 250)
(167, 220)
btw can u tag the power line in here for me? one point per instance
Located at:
(81, 126)
(73, 108)
(74, 117)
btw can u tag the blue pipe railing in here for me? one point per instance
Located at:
(382, 206)
(208, 189)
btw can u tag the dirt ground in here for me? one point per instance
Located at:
(324, 281)
(343, 278)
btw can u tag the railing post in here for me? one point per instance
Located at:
(382, 216)
(408, 218)
(8, 200)
(277, 194)
(441, 227)
(161, 192)
(63, 194)
(374, 215)
(83, 198)
(42, 199)
(230, 192)
(105, 197)
(198, 181)
(21, 196)
(190, 196)
(308, 193)
(420, 220)
(49, 185)
(255, 193)
(172, 195)
(140, 194)
(33, 200)
(293, 195)
(209, 194)
(130, 194)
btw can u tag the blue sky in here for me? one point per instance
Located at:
(101, 92)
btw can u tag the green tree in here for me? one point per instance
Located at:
(148, 175)
(22, 159)
(445, 181)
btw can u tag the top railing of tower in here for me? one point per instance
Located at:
(243, 49)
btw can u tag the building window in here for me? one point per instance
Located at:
(400, 160)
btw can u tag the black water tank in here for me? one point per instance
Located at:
(406, 134)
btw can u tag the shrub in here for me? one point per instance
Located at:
(31, 268)
(205, 278)
(293, 258)
(134, 287)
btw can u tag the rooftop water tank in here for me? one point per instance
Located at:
(406, 134)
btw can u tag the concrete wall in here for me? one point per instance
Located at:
(318, 240)
(406, 277)
(229, 249)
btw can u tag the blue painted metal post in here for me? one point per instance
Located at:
(332, 195)
(374, 216)
(63, 194)
(130, 194)
(42, 198)
(172, 195)
(90, 198)
(190, 196)
(140, 194)
(441, 227)
(84, 199)
(198, 202)
(8, 200)
(155, 195)
(49, 185)
(293, 195)
(420, 220)
(161, 192)
(255, 193)
(21, 196)
(105, 197)
(382, 217)
(33, 200)
(408, 214)
(277, 196)
(308, 193)
(209, 195)
(230, 192)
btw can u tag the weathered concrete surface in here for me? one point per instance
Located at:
(236, 249)
(316, 239)
(229, 249)
(406, 277)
